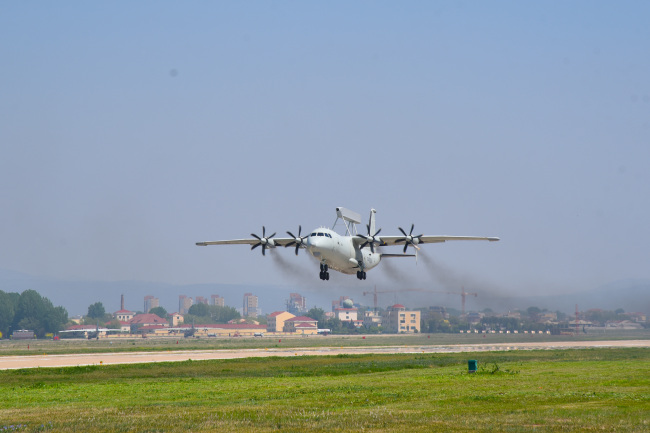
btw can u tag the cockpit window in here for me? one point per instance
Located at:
(313, 234)
(320, 234)
(328, 235)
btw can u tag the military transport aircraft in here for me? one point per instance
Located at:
(348, 253)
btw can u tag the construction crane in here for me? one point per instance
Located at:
(463, 295)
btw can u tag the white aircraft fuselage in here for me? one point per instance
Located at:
(340, 252)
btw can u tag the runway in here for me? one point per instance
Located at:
(72, 360)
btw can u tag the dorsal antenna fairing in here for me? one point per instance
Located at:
(350, 220)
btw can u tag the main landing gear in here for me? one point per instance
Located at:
(324, 275)
(361, 275)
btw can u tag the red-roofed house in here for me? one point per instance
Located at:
(146, 320)
(301, 324)
(275, 321)
(123, 315)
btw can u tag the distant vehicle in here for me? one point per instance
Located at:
(258, 334)
(324, 331)
(22, 334)
(348, 253)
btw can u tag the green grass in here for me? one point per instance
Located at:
(568, 390)
(38, 347)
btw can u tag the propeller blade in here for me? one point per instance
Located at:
(376, 233)
(264, 249)
(271, 236)
(405, 247)
(297, 248)
(263, 231)
(256, 237)
(291, 234)
(400, 240)
(403, 232)
(411, 232)
(291, 243)
(256, 245)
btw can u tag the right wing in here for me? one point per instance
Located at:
(427, 239)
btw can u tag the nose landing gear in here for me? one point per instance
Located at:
(324, 274)
(361, 275)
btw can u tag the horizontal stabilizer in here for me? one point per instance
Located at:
(397, 255)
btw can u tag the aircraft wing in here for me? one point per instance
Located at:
(391, 240)
(278, 241)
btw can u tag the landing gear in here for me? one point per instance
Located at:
(324, 275)
(361, 275)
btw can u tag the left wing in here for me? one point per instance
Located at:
(281, 242)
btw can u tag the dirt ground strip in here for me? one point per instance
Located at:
(34, 361)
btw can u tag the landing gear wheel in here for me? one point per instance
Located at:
(327, 276)
(361, 275)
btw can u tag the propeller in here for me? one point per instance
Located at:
(372, 240)
(297, 240)
(264, 241)
(409, 239)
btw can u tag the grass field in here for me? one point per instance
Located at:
(568, 390)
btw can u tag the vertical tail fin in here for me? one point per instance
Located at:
(371, 224)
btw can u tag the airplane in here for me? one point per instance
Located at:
(348, 253)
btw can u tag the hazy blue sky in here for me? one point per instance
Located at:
(131, 130)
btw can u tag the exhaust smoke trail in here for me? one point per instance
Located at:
(292, 270)
(393, 272)
(455, 281)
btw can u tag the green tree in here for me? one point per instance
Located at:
(114, 324)
(201, 310)
(159, 311)
(7, 312)
(318, 314)
(223, 314)
(204, 314)
(96, 311)
(533, 313)
(38, 314)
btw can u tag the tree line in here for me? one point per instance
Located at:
(29, 310)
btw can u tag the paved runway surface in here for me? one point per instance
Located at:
(33, 361)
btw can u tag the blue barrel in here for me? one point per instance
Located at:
(471, 366)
